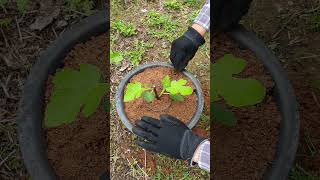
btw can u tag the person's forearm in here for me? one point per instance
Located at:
(201, 30)
(202, 155)
(203, 19)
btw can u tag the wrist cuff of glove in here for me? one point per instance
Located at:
(189, 144)
(194, 36)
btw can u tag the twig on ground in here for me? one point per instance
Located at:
(145, 162)
(4, 88)
(315, 99)
(309, 57)
(4, 37)
(54, 32)
(32, 34)
(18, 27)
(6, 158)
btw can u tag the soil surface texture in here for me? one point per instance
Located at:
(245, 151)
(80, 150)
(183, 110)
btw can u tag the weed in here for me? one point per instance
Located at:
(298, 173)
(115, 57)
(191, 2)
(162, 26)
(3, 3)
(5, 23)
(173, 4)
(126, 29)
(192, 16)
(84, 6)
(22, 5)
(135, 56)
(315, 21)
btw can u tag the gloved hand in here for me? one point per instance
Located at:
(184, 48)
(228, 13)
(168, 136)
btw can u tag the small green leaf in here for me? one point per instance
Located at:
(134, 91)
(222, 115)
(149, 96)
(115, 57)
(176, 97)
(166, 82)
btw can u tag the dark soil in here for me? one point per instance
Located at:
(184, 110)
(80, 150)
(246, 150)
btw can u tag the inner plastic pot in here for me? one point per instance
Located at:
(286, 101)
(139, 69)
(31, 111)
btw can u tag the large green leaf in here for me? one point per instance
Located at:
(134, 90)
(72, 90)
(236, 91)
(178, 87)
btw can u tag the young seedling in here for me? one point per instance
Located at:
(177, 90)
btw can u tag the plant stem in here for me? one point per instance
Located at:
(155, 92)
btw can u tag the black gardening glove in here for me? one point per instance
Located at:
(184, 48)
(228, 13)
(168, 136)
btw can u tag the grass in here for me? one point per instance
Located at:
(5, 22)
(315, 21)
(125, 29)
(161, 26)
(298, 173)
(84, 6)
(173, 4)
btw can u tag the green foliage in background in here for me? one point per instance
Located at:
(74, 90)
(22, 5)
(173, 4)
(125, 29)
(162, 25)
(115, 57)
(5, 22)
(83, 6)
(236, 92)
(3, 3)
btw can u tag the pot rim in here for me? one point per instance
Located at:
(288, 138)
(141, 68)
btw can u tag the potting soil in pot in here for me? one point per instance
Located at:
(80, 150)
(244, 152)
(138, 108)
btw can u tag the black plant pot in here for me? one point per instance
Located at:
(31, 112)
(126, 79)
(286, 102)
